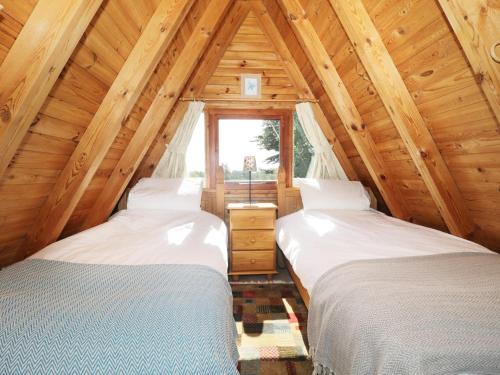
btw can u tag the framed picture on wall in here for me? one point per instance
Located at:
(251, 86)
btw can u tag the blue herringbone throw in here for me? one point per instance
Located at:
(63, 318)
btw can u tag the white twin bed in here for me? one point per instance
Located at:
(146, 236)
(315, 241)
(145, 292)
(388, 296)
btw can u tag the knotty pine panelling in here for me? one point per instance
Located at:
(12, 20)
(437, 73)
(250, 51)
(389, 143)
(134, 119)
(325, 103)
(15, 214)
(66, 113)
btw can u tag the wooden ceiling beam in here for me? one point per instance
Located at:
(304, 91)
(156, 115)
(477, 27)
(33, 64)
(344, 105)
(199, 79)
(105, 125)
(405, 115)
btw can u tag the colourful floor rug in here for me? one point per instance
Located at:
(271, 321)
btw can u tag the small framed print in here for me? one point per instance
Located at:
(250, 85)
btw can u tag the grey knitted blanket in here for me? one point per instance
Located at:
(437, 314)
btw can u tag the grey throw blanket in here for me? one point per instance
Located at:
(65, 318)
(437, 314)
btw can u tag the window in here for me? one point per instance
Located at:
(195, 154)
(249, 137)
(302, 150)
(233, 134)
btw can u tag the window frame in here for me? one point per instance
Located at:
(212, 117)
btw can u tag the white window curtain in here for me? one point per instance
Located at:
(173, 162)
(324, 163)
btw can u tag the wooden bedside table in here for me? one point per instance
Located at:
(252, 240)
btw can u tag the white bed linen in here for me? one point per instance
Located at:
(315, 241)
(138, 237)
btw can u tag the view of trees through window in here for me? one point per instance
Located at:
(239, 138)
(302, 149)
(261, 138)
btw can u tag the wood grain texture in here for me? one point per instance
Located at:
(302, 86)
(219, 193)
(448, 95)
(267, 24)
(477, 27)
(200, 77)
(33, 64)
(157, 113)
(251, 52)
(386, 137)
(251, 219)
(252, 239)
(447, 88)
(405, 115)
(139, 110)
(106, 123)
(344, 106)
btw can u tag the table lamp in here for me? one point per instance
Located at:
(250, 165)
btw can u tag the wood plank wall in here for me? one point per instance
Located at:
(418, 38)
(449, 97)
(320, 94)
(137, 114)
(375, 116)
(64, 116)
(437, 74)
(252, 52)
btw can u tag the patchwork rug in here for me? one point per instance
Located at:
(272, 322)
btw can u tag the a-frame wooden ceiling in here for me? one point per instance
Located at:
(92, 100)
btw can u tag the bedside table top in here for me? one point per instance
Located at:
(253, 206)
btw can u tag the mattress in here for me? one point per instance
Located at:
(142, 237)
(315, 241)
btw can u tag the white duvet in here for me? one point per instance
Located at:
(138, 237)
(316, 241)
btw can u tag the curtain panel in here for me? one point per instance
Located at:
(173, 162)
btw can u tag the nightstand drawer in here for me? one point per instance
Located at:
(252, 219)
(252, 261)
(252, 239)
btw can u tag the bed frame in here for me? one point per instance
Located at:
(212, 200)
(290, 201)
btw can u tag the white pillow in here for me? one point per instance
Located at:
(166, 194)
(333, 194)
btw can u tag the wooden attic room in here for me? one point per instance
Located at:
(250, 186)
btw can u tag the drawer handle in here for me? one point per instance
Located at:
(252, 261)
(252, 219)
(252, 240)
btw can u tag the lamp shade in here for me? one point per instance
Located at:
(249, 164)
